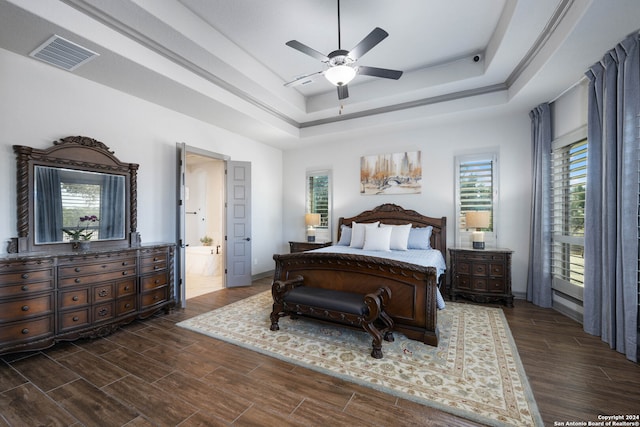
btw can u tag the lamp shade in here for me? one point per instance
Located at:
(340, 75)
(478, 219)
(312, 219)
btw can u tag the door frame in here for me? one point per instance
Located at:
(182, 149)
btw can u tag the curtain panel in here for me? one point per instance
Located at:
(611, 206)
(539, 276)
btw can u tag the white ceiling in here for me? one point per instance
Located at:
(225, 61)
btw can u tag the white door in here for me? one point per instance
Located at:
(181, 158)
(238, 236)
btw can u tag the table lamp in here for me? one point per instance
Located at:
(311, 220)
(478, 220)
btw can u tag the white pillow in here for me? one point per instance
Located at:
(357, 233)
(399, 236)
(377, 239)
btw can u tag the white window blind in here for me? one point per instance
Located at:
(476, 189)
(569, 183)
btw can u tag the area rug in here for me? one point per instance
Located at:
(475, 372)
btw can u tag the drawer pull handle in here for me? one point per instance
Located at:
(24, 288)
(155, 258)
(103, 312)
(77, 269)
(75, 318)
(126, 288)
(156, 281)
(127, 305)
(125, 263)
(25, 308)
(124, 273)
(75, 298)
(77, 280)
(155, 297)
(103, 293)
(155, 267)
(25, 275)
(25, 331)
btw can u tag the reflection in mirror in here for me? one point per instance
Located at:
(72, 205)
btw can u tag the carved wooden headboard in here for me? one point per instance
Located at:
(389, 213)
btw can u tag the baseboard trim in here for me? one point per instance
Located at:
(262, 275)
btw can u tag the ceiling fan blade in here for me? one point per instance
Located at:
(379, 72)
(374, 37)
(303, 80)
(343, 92)
(307, 50)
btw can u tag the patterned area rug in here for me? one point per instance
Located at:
(475, 372)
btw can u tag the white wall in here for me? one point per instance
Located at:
(509, 133)
(40, 104)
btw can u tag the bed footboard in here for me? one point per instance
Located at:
(413, 305)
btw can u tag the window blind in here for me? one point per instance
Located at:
(476, 189)
(569, 181)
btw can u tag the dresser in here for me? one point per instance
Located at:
(307, 246)
(481, 275)
(48, 298)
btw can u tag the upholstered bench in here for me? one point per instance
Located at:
(292, 298)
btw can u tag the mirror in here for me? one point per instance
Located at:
(75, 190)
(78, 205)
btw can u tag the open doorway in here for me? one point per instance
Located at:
(204, 196)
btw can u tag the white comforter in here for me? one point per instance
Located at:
(425, 258)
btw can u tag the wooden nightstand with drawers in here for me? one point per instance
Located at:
(481, 275)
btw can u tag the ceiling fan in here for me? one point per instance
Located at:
(341, 63)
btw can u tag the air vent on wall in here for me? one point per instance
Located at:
(63, 54)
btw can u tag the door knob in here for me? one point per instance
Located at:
(248, 239)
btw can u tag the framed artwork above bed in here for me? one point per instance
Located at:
(396, 173)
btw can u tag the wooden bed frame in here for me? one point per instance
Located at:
(413, 288)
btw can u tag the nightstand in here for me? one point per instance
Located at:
(481, 275)
(307, 246)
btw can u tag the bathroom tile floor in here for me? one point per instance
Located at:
(199, 285)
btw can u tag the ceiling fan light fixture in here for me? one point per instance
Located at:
(340, 75)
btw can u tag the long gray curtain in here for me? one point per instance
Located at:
(539, 277)
(48, 205)
(611, 216)
(112, 206)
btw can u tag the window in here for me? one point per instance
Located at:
(319, 201)
(568, 189)
(476, 190)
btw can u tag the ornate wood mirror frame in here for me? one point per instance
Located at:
(73, 155)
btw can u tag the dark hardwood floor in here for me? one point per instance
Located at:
(153, 373)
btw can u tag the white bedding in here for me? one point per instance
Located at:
(425, 258)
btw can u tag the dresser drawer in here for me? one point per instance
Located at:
(479, 269)
(126, 287)
(73, 298)
(18, 331)
(21, 277)
(25, 288)
(74, 319)
(497, 285)
(152, 282)
(126, 305)
(103, 312)
(496, 270)
(157, 262)
(103, 293)
(26, 307)
(154, 297)
(88, 280)
(85, 269)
